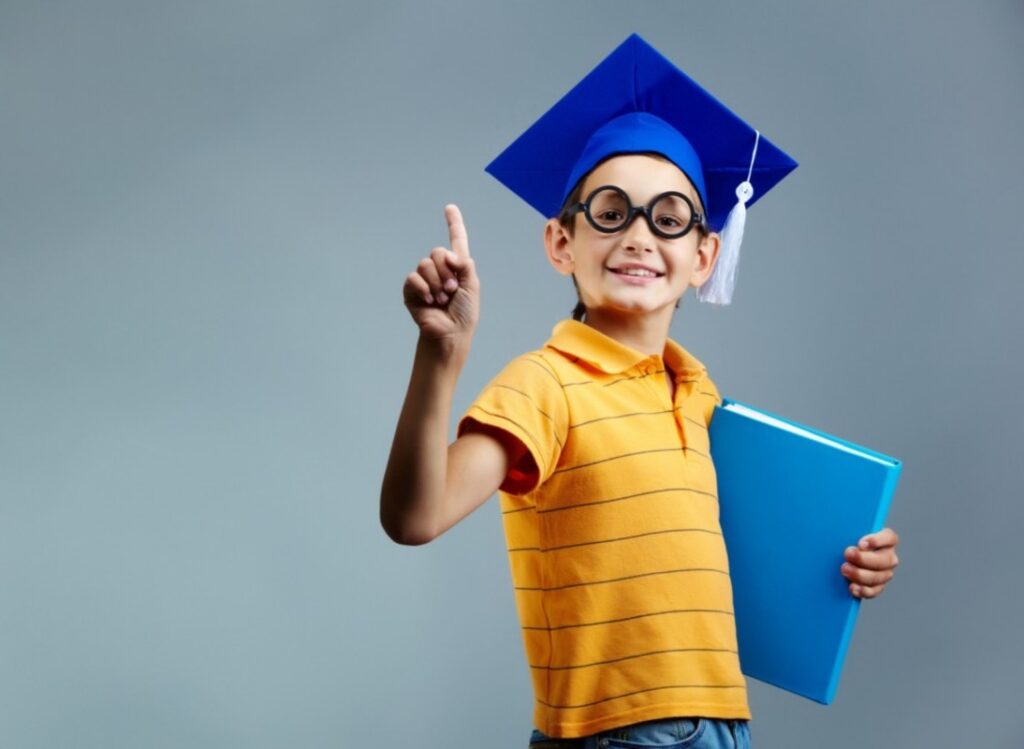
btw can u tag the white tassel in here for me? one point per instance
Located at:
(718, 288)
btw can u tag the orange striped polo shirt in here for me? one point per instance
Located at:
(617, 557)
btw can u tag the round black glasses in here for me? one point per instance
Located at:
(608, 209)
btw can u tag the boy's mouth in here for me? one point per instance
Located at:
(636, 271)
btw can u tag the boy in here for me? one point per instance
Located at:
(598, 441)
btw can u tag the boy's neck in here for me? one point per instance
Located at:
(644, 333)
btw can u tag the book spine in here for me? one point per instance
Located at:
(888, 490)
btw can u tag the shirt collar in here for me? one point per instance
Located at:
(579, 340)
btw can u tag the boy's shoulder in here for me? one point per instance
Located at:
(538, 364)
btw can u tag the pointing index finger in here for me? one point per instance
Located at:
(456, 230)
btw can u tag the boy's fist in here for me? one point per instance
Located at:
(443, 293)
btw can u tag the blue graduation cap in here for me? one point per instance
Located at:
(637, 101)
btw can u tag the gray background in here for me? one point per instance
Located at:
(206, 215)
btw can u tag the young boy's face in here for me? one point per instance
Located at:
(597, 259)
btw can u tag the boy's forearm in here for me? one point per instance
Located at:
(415, 478)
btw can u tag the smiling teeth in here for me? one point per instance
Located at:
(637, 272)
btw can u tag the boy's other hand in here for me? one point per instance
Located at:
(869, 565)
(443, 293)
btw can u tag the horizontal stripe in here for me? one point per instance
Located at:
(545, 366)
(618, 538)
(623, 416)
(518, 509)
(627, 577)
(618, 457)
(624, 379)
(631, 618)
(579, 382)
(641, 691)
(701, 424)
(634, 377)
(625, 497)
(632, 657)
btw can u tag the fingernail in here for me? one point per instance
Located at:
(864, 544)
(429, 298)
(451, 284)
(442, 297)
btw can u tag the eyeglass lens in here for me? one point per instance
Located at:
(609, 210)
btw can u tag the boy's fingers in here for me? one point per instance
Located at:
(462, 267)
(883, 559)
(884, 537)
(456, 231)
(416, 290)
(866, 576)
(866, 591)
(428, 269)
(445, 274)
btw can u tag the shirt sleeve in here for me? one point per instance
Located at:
(525, 400)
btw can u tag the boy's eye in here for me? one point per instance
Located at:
(669, 222)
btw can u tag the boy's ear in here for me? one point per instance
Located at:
(558, 247)
(707, 256)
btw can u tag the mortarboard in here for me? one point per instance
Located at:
(637, 101)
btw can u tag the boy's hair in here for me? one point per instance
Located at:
(568, 222)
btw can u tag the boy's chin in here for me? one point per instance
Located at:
(637, 308)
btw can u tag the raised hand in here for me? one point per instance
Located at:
(870, 564)
(443, 293)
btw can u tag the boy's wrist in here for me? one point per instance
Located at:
(445, 351)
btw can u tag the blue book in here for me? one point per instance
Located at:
(791, 500)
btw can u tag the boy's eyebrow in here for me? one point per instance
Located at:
(688, 192)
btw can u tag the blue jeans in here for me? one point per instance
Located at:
(668, 733)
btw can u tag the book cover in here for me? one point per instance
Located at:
(791, 499)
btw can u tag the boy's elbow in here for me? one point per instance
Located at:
(410, 538)
(406, 534)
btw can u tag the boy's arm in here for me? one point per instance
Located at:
(430, 485)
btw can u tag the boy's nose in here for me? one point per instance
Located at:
(637, 235)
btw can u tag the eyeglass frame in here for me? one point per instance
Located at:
(696, 218)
